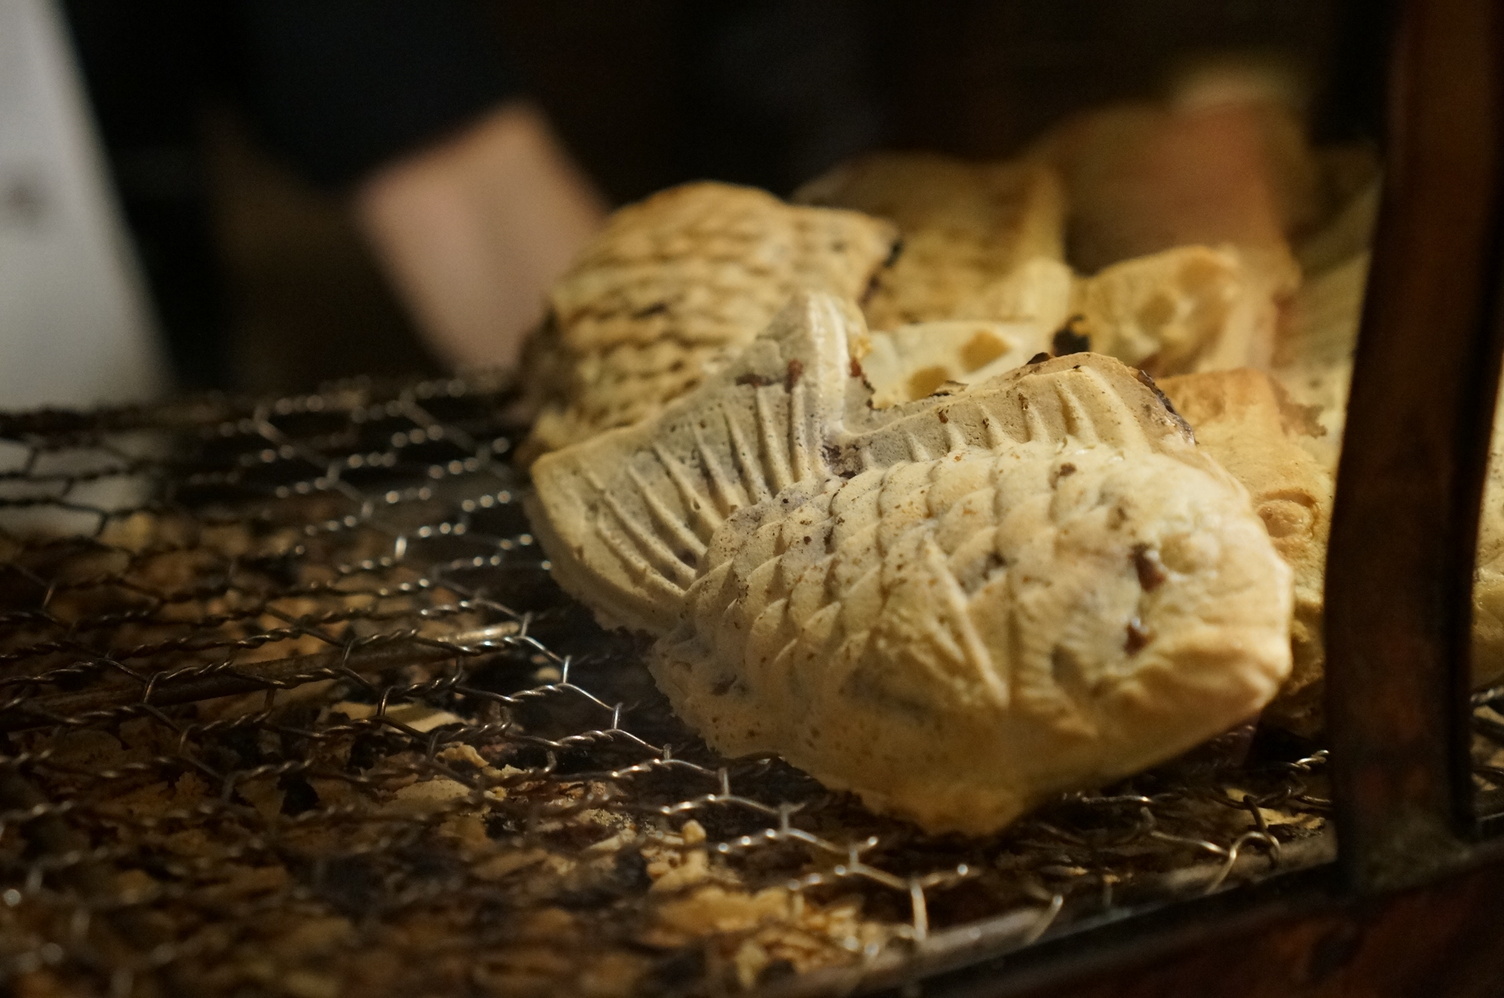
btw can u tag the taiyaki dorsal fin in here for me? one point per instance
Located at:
(627, 515)
(1080, 399)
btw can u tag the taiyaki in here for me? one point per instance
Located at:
(984, 242)
(966, 226)
(1183, 310)
(1313, 358)
(671, 289)
(914, 361)
(1245, 420)
(955, 607)
(1192, 308)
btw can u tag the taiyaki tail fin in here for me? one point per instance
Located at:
(627, 516)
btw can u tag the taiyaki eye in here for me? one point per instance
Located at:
(954, 607)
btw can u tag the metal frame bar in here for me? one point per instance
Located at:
(1404, 526)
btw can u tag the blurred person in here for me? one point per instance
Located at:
(469, 201)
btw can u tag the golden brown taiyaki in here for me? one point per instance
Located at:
(966, 226)
(1247, 422)
(983, 241)
(954, 607)
(672, 289)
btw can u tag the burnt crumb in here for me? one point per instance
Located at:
(1038, 358)
(1064, 471)
(670, 972)
(894, 252)
(856, 368)
(1136, 638)
(1071, 337)
(755, 380)
(839, 461)
(875, 280)
(795, 372)
(943, 417)
(298, 794)
(657, 308)
(1147, 380)
(1229, 749)
(1151, 571)
(781, 969)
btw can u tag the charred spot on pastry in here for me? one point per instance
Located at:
(841, 461)
(894, 253)
(1151, 571)
(1137, 637)
(1071, 337)
(795, 372)
(755, 380)
(1038, 358)
(1147, 380)
(657, 308)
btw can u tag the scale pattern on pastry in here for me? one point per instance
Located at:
(672, 288)
(953, 607)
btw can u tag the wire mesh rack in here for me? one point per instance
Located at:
(291, 706)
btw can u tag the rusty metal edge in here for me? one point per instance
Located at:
(1302, 935)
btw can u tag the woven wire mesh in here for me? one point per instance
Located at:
(292, 707)
(1488, 757)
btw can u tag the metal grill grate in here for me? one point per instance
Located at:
(292, 707)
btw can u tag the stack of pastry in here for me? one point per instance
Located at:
(888, 476)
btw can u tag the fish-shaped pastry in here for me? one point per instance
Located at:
(1247, 422)
(672, 289)
(967, 226)
(955, 607)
